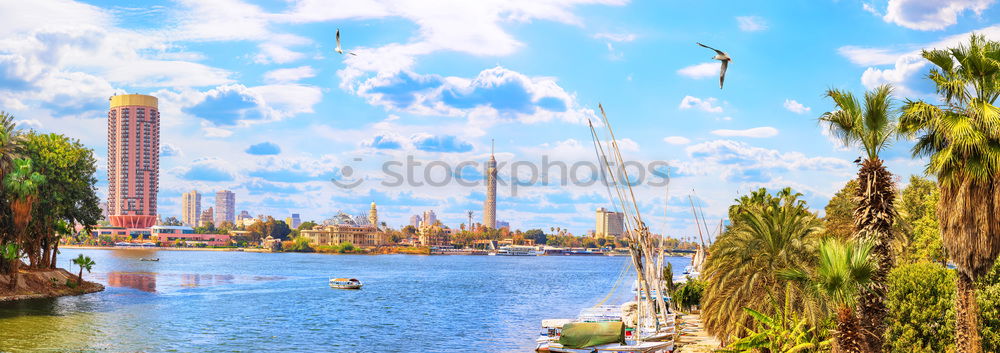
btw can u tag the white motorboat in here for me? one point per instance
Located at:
(345, 283)
(517, 250)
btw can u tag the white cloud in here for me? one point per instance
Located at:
(289, 74)
(216, 132)
(751, 23)
(926, 15)
(276, 53)
(703, 70)
(796, 107)
(28, 124)
(757, 132)
(907, 67)
(868, 56)
(616, 37)
(870, 9)
(677, 140)
(706, 104)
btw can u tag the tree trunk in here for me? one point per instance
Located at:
(55, 251)
(849, 333)
(967, 317)
(874, 218)
(46, 244)
(79, 277)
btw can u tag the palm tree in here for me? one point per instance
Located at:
(962, 138)
(22, 186)
(845, 270)
(768, 234)
(871, 124)
(10, 143)
(85, 263)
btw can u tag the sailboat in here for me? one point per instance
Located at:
(644, 325)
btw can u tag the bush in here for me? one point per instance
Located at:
(988, 296)
(921, 301)
(688, 294)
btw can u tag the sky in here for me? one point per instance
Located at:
(254, 99)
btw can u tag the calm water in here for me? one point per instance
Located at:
(242, 302)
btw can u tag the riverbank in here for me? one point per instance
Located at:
(158, 248)
(48, 283)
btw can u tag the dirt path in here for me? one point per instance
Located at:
(694, 338)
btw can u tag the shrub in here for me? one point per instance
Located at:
(920, 300)
(688, 294)
(988, 295)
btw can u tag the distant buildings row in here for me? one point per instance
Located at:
(223, 211)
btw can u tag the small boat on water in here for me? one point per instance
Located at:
(345, 283)
(517, 250)
(145, 259)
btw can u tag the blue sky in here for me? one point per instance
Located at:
(254, 99)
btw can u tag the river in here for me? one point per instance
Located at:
(212, 301)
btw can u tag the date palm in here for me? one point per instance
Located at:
(870, 123)
(21, 187)
(962, 138)
(845, 270)
(768, 234)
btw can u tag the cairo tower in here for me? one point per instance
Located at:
(490, 205)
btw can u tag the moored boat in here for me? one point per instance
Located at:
(345, 283)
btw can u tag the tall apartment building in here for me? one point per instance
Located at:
(429, 218)
(225, 207)
(133, 160)
(609, 223)
(190, 208)
(415, 221)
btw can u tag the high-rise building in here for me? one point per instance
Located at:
(609, 223)
(205, 218)
(429, 218)
(225, 207)
(133, 160)
(190, 208)
(373, 215)
(415, 221)
(294, 221)
(490, 205)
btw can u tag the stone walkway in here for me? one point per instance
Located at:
(694, 338)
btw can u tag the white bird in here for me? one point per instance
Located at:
(338, 50)
(724, 58)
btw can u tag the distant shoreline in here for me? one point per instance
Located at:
(93, 247)
(256, 250)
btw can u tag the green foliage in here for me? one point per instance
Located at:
(988, 294)
(768, 234)
(779, 333)
(307, 225)
(172, 221)
(844, 270)
(839, 219)
(537, 235)
(921, 240)
(23, 180)
(688, 294)
(299, 244)
(872, 124)
(85, 263)
(342, 248)
(71, 284)
(920, 300)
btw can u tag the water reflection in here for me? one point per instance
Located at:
(196, 280)
(144, 281)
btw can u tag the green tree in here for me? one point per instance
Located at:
(21, 185)
(768, 234)
(871, 124)
(844, 270)
(537, 235)
(839, 219)
(689, 293)
(918, 220)
(279, 229)
(306, 226)
(85, 263)
(962, 139)
(780, 332)
(172, 221)
(68, 196)
(921, 317)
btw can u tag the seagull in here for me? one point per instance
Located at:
(338, 50)
(724, 58)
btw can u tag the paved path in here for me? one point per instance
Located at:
(694, 338)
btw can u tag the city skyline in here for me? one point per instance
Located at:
(440, 83)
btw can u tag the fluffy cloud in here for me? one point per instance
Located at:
(169, 150)
(263, 148)
(431, 143)
(703, 70)
(289, 74)
(238, 105)
(496, 93)
(757, 132)
(677, 140)
(707, 104)
(740, 162)
(796, 107)
(751, 23)
(926, 15)
(212, 170)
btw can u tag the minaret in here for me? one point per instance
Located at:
(373, 215)
(490, 205)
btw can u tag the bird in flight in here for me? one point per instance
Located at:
(857, 161)
(724, 58)
(338, 50)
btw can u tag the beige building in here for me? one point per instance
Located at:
(361, 236)
(190, 208)
(609, 223)
(225, 207)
